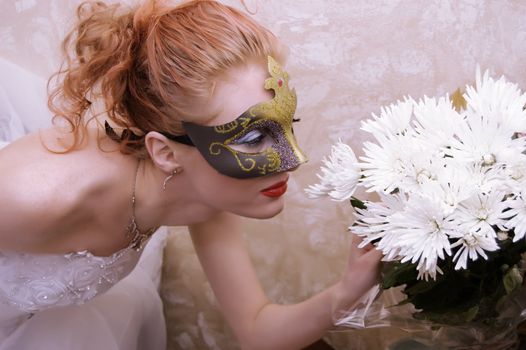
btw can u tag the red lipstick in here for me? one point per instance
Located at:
(276, 190)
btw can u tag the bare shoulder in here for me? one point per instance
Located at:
(41, 191)
(28, 199)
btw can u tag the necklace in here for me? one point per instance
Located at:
(138, 238)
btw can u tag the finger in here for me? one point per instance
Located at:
(370, 258)
(355, 251)
(373, 255)
(357, 244)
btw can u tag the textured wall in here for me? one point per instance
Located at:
(347, 59)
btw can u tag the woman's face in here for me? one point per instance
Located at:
(258, 197)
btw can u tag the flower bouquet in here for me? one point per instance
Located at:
(451, 221)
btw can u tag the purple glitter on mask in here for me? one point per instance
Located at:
(288, 158)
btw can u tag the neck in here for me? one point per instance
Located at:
(173, 206)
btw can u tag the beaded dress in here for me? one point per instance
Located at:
(76, 300)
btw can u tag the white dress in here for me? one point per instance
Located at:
(76, 300)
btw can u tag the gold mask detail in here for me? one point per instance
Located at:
(273, 117)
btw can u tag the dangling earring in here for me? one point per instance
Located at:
(168, 178)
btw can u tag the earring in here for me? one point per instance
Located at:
(168, 178)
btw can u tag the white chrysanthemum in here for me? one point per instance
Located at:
(447, 179)
(498, 102)
(339, 175)
(423, 231)
(485, 143)
(472, 244)
(393, 120)
(481, 212)
(486, 179)
(516, 173)
(449, 186)
(516, 216)
(373, 224)
(399, 162)
(493, 116)
(435, 123)
(422, 172)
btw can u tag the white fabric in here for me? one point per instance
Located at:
(78, 300)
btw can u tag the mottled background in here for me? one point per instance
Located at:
(347, 59)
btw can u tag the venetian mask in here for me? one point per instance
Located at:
(272, 118)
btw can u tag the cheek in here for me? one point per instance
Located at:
(217, 189)
(229, 194)
(220, 192)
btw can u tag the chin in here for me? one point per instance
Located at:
(266, 211)
(269, 211)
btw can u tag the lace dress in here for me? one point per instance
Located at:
(76, 300)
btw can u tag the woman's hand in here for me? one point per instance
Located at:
(362, 273)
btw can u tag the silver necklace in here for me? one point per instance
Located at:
(138, 238)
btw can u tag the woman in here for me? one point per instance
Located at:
(166, 116)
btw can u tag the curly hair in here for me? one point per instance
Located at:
(147, 64)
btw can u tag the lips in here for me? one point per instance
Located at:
(276, 190)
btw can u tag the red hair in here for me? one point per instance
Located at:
(149, 62)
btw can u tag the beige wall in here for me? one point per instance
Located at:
(347, 59)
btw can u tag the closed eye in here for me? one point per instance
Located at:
(254, 141)
(253, 137)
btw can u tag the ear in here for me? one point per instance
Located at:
(162, 151)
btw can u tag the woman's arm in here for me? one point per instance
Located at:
(258, 323)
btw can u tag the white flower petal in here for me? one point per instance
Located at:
(448, 180)
(339, 175)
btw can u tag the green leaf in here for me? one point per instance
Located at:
(450, 317)
(459, 296)
(512, 279)
(396, 274)
(471, 313)
(420, 287)
(356, 203)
